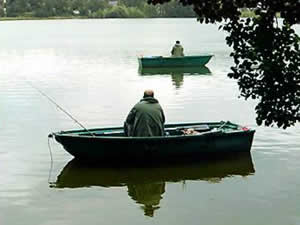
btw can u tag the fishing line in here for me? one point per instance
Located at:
(51, 165)
(59, 107)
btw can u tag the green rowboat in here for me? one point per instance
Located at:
(180, 140)
(182, 61)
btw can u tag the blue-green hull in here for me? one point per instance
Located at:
(185, 61)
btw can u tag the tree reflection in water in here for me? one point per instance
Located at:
(177, 73)
(146, 185)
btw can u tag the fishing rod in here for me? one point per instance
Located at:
(58, 106)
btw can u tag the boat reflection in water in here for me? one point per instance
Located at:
(177, 73)
(146, 185)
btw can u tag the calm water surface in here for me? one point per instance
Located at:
(90, 68)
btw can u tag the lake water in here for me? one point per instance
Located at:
(90, 68)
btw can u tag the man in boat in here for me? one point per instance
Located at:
(146, 118)
(177, 50)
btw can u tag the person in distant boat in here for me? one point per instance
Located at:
(146, 118)
(177, 50)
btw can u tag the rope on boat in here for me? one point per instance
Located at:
(220, 127)
(59, 107)
(50, 151)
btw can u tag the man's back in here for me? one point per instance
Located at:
(177, 50)
(146, 119)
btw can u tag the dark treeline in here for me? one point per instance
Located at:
(93, 9)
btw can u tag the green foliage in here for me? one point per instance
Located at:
(173, 9)
(266, 55)
(132, 3)
(17, 8)
(98, 14)
(95, 9)
(247, 13)
(121, 11)
(150, 11)
(134, 12)
(89, 7)
(266, 67)
(45, 8)
(116, 12)
(2, 13)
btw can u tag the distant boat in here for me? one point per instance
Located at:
(180, 140)
(182, 61)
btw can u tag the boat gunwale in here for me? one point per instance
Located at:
(178, 137)
(174, 57)
(75, 133)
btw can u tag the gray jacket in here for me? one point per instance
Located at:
(177, 50)
(146, 118)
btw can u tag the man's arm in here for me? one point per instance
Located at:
(163, 116)
(129, 122)
(131, 116)
(172, 51)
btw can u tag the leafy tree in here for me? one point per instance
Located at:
(118, 11)
(44, 8)
(149, 10)
(63, 7)
(266, 54)
(2, 9)
(95, 8)
(16, 8)
(95, 5)
(133, 3)
(173, 9)
(81, 6)
(135, 12)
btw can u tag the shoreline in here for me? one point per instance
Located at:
(244, 15)
(42, 18)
